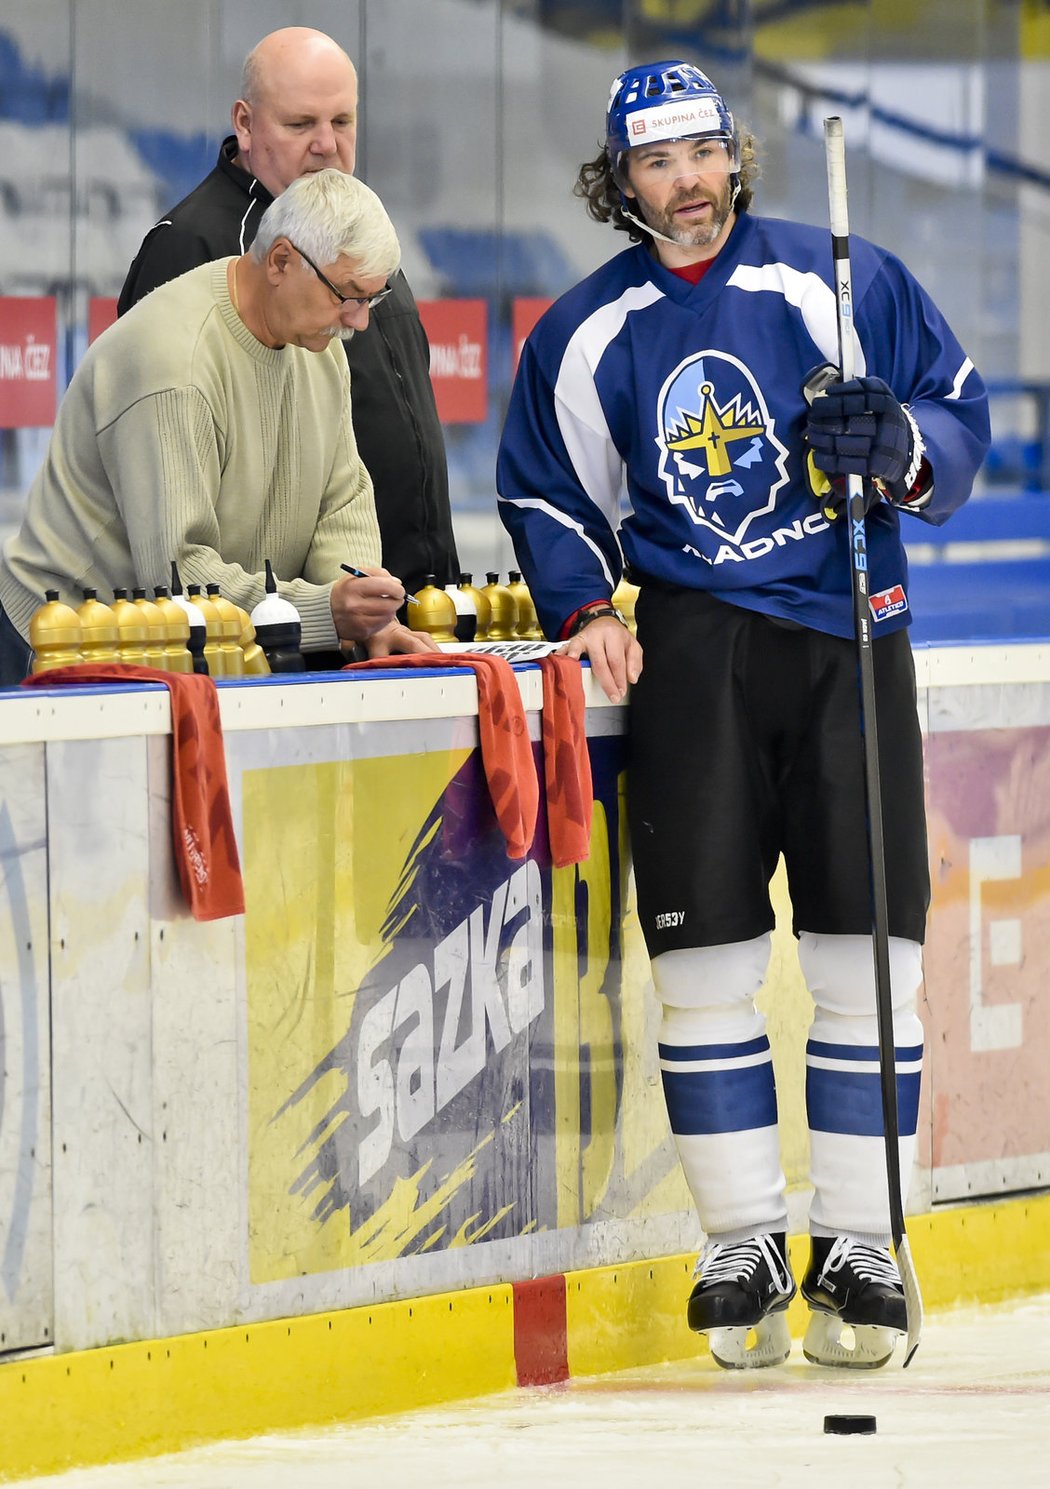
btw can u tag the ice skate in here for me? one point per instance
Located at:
(857, 1302)
(739, 1301)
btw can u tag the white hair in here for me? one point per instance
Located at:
(328, 214)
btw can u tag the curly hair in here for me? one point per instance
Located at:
(597, 186)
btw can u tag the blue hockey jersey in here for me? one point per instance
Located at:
(662, 422)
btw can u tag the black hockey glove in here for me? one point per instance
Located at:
(859, 429)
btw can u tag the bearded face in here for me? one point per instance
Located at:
(683, 189)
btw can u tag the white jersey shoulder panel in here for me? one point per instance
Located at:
(808, 293)
(581, 420)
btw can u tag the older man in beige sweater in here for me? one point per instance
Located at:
(211, 425)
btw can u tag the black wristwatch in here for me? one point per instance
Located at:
(595, 612)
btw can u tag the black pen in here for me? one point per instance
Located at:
(360, 574)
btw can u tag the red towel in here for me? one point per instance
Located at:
(506, 752)
(566, 761)
(201, 820)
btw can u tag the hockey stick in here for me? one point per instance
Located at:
(835, 149)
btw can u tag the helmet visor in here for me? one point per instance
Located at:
(669, 158)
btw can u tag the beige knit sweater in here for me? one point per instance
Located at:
(182, 437)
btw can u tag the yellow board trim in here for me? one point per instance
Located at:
(135, 1400)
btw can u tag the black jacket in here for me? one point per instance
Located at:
(395, 417)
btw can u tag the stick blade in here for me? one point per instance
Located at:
(912, 1298)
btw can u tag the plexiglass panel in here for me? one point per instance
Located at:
(475, 116)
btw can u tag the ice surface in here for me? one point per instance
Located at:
(973, 1409)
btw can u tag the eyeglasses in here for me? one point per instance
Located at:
(370, 301)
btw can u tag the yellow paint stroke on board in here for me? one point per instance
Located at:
(405, 1221)
(325, 853)
(583, 1029)
(788, 1007)
(615, 1156)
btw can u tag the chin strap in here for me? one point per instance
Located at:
(653, 233)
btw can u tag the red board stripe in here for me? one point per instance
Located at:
(541, 1347)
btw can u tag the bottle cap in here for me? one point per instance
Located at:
(274, 610)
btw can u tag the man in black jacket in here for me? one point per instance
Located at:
(298, 113)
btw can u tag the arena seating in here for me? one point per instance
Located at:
(986, 573)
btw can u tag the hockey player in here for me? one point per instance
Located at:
(685, 374)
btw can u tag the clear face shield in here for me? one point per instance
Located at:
(663, 162)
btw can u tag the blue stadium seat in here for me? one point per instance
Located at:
(180, 161)
(981, 602)
(27, 94)
(985, 574)
(482, 262)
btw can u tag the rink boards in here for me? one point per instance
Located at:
(415, 1067)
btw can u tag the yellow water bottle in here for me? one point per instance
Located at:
(99, 632)
(255, 663)
(177, 656)
(132, 629)
(504, 623)
(230, 627)
(528, 621)
(156, 628)
(54, 635)
(435, 614)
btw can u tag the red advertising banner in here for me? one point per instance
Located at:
(458, 334)
(102, 312)
(28, 343)
(525, 312)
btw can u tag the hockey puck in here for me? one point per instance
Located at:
(849, 1426)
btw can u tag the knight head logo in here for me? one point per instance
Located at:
(719, 456)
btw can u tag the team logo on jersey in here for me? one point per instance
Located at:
(719, 456)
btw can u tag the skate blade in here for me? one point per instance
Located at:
(752, 1348)
(829, 1341)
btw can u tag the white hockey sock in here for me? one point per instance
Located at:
(843, 1084)
(718, 1084)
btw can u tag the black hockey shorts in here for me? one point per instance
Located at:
(745, 744)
